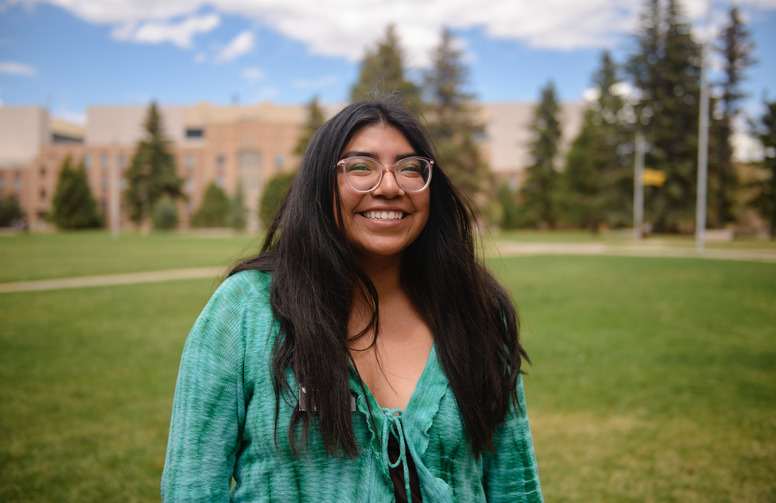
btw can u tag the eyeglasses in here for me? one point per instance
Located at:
(364, 174)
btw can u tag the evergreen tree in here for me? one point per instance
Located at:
(74, 206)
(315, 119)
(214, 208)
(235, 218)
(539, 195)
(165, 214)
(665, 69)
(11, 211)
(382, 71)
(452, 122)
(510, 214)
(765, 199)
(272, 197)
(736, 49)
(597, 175)
(151, 174)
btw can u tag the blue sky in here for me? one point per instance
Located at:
(69, 54)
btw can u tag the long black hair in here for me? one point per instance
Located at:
(315, 277)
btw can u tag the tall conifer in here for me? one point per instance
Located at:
(451, 114)
(383, 71)
(74, 206)
(666, 70)
(736, 48)
(151, 174)
(540, 193)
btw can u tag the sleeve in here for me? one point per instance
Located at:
(510, 472)
(208, 410)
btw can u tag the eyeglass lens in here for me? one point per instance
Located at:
(364, 174)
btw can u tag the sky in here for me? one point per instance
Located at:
(70, 54)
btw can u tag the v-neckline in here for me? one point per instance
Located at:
(357, 384)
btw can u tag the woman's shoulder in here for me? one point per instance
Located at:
(246, 283)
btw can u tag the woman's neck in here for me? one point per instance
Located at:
(385, 274)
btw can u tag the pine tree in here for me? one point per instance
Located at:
(382, 71)
(736, 48)
(452, 122)
(235, 217)
(765, 199)
(315, 119)
(74, 206)
(151, 174)
(539, 195)
(597, 175)
(272, 197)
(11, 212)
(214, 208)
(666, 71)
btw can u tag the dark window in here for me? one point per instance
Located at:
(195, 133)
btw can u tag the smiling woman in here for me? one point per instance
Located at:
(365, 354)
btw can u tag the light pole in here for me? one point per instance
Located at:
(703, 138)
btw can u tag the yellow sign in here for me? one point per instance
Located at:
(653, 177)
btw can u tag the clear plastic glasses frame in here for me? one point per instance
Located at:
(364, 174)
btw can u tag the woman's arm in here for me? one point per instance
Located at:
(510, 473)
(209, 406)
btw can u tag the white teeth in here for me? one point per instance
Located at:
(384, 215)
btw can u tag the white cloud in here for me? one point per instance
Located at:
(253, 74)
(15, 68)
(201, 57)
(266, 94)
(70, 116)
(313, 84)
(179, 34)
(241, 44)
(346, 28)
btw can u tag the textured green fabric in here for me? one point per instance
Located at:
(223, 426)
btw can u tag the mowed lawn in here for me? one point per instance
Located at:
(653, 380)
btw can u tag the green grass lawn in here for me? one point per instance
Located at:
(654, 380)
(42, 256)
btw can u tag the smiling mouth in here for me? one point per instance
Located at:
(384, 215)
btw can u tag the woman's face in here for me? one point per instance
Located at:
(363, 215)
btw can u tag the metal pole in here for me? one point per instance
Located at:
(113, 193)
(638, 187)
(703, 139)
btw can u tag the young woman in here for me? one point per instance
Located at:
(365, 354)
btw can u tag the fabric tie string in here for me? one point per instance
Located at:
(392, 426)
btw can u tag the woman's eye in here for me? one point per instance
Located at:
(359, 166)
(410, 169)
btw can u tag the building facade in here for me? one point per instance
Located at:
(234, 147)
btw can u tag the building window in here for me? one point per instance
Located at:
(87, 161)
(42, 194)
(17, 182)
(122, 161)
(2, 182)
(279, 162)
(220, 181)
(104, 161)
(43, 172)
(188, 185)
(188, 161)
(104, 182)
(220, 161)
(195, 133)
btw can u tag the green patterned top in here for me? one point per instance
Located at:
(223, 421)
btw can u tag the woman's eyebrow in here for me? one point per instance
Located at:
(356, 153)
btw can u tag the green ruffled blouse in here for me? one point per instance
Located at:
(223, 426)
